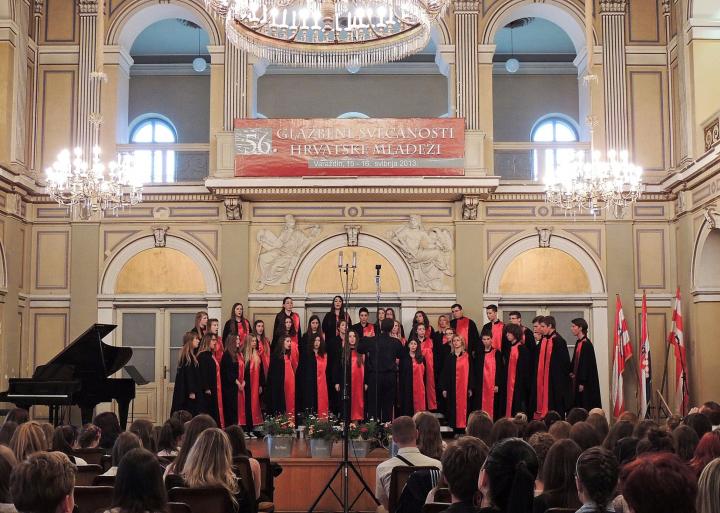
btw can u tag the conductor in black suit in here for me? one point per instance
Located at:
(381, 353)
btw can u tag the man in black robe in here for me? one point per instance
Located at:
(584, 373)
(527, 339)
(495, 326)
(551, 389)
(381, 371)
(465, 327)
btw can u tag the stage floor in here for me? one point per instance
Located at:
(303, 478)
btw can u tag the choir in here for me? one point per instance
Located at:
(452, 368)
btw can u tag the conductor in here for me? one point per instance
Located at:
(381, 352)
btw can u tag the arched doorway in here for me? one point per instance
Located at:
(152, 294)
(562, 280)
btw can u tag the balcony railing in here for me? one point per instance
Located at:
(170, 162)
(528, 161)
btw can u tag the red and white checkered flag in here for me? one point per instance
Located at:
(676, 338)
(622, 353)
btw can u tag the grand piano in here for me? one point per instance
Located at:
(78, 375)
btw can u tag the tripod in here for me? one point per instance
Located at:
(347, 282)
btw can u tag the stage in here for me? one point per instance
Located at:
(303, 478)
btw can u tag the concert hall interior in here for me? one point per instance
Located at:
(452, 175)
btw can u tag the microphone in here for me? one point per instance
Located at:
(377, 273)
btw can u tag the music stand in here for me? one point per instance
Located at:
(139, 380)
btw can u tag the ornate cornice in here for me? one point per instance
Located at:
(87, 7)
(467, 7)
(613, 6)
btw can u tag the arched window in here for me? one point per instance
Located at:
(553, 129)
(353, 115)
(154, 165)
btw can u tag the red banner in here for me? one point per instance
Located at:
(349, 147)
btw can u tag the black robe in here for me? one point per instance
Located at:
(187, 381)
(279, 327)
(474, 343)
(336, 372)
(559, 376)
(229, 373)
(447, 384)
(231, 329)
(306, 390)
(329, 324)
(500, 382)
(521, 397)
(405, 375)
(208, 381)
(276, 384)
(305, 355)
(358, 328)
(587, 376)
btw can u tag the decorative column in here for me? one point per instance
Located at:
(612, 14)
(87, 114)
(235, 94)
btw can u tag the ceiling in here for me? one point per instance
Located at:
(170, 37)
(540, 37)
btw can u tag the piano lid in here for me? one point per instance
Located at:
(90, 356)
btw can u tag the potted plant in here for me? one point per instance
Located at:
(280, 434)
(322, 432)
(364, 436)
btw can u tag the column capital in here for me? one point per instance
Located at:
(87, 7)
(613, 6)
(467, 7)
(38, 7)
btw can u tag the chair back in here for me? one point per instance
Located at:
(105, 462)
(86, 474)
(104, 481)
(90, 499)
(92, 456)
(435, 507)
(398, 478)
(201, 500)
(267, 480)
(178, 507)
(243, 471)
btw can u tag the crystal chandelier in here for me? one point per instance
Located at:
(329, 33)
(72, 181)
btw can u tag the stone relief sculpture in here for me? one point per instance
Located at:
(427, 250)
(278, 255)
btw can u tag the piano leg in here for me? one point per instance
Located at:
(123, 407)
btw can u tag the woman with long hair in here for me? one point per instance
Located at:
(201, 324)
(596, 480)
(252, 381)
(558, 477)
(263, 344)
(232, 372)
(143, 428)
(214, 329)
(280, 327)
(187, 394)
(507, 481)
(239, 449)
(193, 429)
(426, 346)
(313, 329)
(170, 437)
(429, 440)
(139, 484)
(288, 330)
(281, 378)
(64, 440)
(28, 438)
(304, 397)
(421, 318)
(397, 332)
(334, 347)
(708, 496)
(356, 377)
(209, 464)
(412, 376)
(313, 378)
(210, 379)
(237, 327)
(708, 448)
(457, 383)
(390, 314)
(331, 321)
(658, 482)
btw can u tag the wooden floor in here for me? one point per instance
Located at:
(303, 478)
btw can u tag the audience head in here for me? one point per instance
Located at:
(18, 416)
(541, 443)
(508, 477)
(600, 423)
(209, 462)
(685, 440)
(404, 432)
(585, 435)
(183, 415)
(658, 483)
(236, 436)
(7, 431)
(643, 427)
(708, 496)
(551, 418)
(479, 425)
(89, 436)
(534, 426)
(708, 448)
(109, 428)
(171, 435)
(558, 470)
(139, 483)
(621, 429)
(43, 483)
(656, 440)
(124, 443)
(7, 463)
(502, 429)
(711, 410)
(560, 429)
(49, 431)
(520, 420)
(197, 425)
(596, 477)
(386, 325)
(64, 439)
(143, 428)
(429, 440)
(626, 450)
(28, 439)
(629, 416)
(576, 415)
(673, 422)
(461, 465)
(699, 422)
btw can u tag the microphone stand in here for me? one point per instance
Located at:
(347, 281)
(377, 310)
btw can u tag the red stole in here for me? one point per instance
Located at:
(426, 348)
(418, 385)
(543, 377)
(219, 349)
(321, 379)
(289, 385)
(488, 388)
(497, 334)
(368, 330)
(576, 357)
(462, 328)
(462, 371)
(357, 387)
(264, 355)
(512, 372)
(294, 350)
(257, 417)
(242, 420)
(218, 381)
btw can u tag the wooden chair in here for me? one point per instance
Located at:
(91, 456)
(104, 481)
(201, 500)
(443, 495)
(247, 482)
(398, 478)
(85, 474)
(106, 462)
(178, 507)
(435, 507)
(90, 499)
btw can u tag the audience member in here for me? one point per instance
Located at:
(656, 440)
(642, 428)
(541, 443)
(685, 440)
(551, 418)
(170, 437)
(507, 480)
(576, 415)
(711, 410)
(708, 496)
(6, 432)
(143, 428)
(43, 483)
(89, 437)
(7, 463)
(673, 422)
(109, 429)
(502, 429)
(626, 450)
(183, 416)
(479, 425)
(139, 484)
(629, 416)
(621, 429)
(708, 448)
(124, 443)
(404, 435)
(534, 426)
(658, 483)
(49, 431)
(461, 467)
(584, 435)
(193, 429)
(699, 422)
(600, 423)
(209, 464)
(558, 477)
(18, 416)
(521, 422)
(560, 429)
(65, 440)
(238, 449)
(28, 438)
(596, 480)
(429, 440)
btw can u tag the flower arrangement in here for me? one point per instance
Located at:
(368, 430)
(279, 425)
(321, 428)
